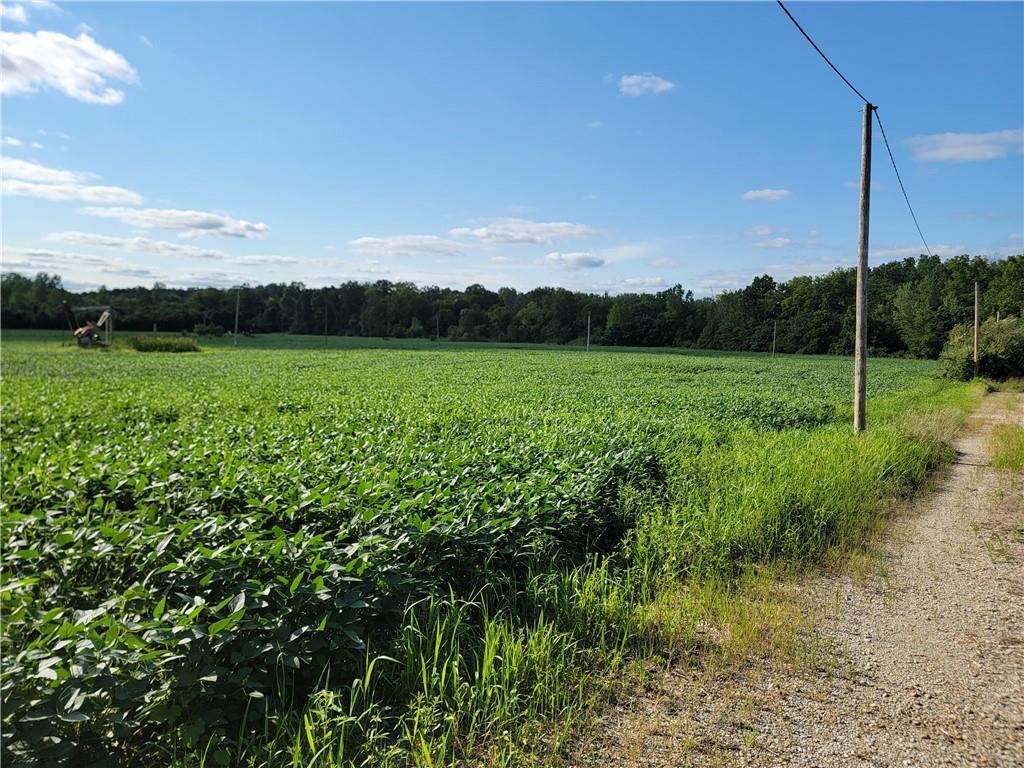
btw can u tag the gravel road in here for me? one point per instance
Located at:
(925, 659)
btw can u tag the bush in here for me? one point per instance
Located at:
(162, 344)
(208, 329)
(1000, 350)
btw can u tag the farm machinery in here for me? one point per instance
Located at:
(91, 333)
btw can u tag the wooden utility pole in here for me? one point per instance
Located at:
(238, 294)
(975, 328)
(588, 331)
(860, 362)
(775, 330)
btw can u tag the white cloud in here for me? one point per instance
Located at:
(83, 192)
(770, 195)
(775, 242)
(520, 231)
(644, 282)
(15, 13)
(209, 279)
(42, 259)
(36, 145)
(760, 231)
(22, 169)
(639, 85)
(595, 124)
(10, 141)
(405, 245)
(25, 179)
(574, 260)
(266, 260)
(190, 223)
(135, 244)
(78, 67)
(663, 263)
(499, 259)
(966, 147)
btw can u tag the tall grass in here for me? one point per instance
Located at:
(161, 344)
(1007, 445)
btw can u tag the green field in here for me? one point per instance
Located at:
(423, 555)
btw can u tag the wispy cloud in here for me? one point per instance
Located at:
(644, 282)
(913, 251)
(134, 244)
(269, 260)
(761, 230)
(189, 223)
(966, 147)
(522, 231)
(770, 195)
(78, 67)
(28, 171)
(574, 260)
(42, 259)
(26, 179)
(12, 12)
(405, 245)
(643, 84)
(775, 242)
(10, 141)
(87, 193)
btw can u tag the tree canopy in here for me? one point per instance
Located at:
(912, 304)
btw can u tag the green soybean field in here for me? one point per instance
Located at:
(402, 557)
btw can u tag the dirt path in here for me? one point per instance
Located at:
(925, 665)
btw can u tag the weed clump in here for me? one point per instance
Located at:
(162, 344)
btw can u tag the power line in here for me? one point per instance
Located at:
(867, 105)
(902, 188)
(820, 52)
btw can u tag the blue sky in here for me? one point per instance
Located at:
(604, 147)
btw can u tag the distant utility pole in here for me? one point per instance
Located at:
(975, 327)
(238, 293)
(860, 360)
(588, 331)
(775, 330)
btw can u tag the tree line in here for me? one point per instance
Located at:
(913, 304)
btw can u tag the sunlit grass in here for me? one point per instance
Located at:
(1007, 446)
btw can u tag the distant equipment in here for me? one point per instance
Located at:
(91, 333)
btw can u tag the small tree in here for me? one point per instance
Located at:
(1000, 350)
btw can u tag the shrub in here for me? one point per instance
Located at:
(1000, 350)
(208, 329)
(162, 344)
